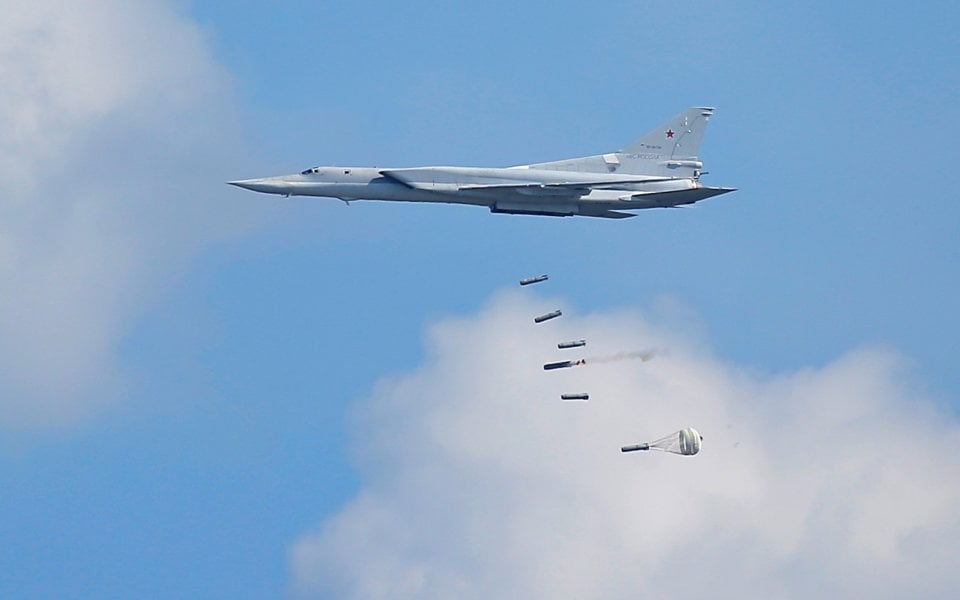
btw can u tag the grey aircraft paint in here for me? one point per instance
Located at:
(660, 170)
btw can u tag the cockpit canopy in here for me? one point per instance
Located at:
(327, 170)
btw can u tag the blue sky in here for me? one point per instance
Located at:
(189, 370)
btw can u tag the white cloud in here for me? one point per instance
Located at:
(113, 128)
(70, 68)
(480, 482)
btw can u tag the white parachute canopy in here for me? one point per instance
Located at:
(686, 442)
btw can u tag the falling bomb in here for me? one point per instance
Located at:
(537, 279)
(563, 364)
(572, 344)
(546, 317)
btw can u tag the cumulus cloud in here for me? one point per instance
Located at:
(114, 129)
(479, 482)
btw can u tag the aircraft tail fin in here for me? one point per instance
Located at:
(670, 150)
(677, 139)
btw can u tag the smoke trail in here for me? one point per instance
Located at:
(643, 355)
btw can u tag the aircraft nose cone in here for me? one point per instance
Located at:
(266, 186)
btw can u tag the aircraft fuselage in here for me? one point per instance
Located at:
(504, 187)
(661, 169)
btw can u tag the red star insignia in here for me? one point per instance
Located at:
(669, 133)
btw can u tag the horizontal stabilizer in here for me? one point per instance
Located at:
(673, 198)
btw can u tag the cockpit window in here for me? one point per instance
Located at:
(309, 171)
